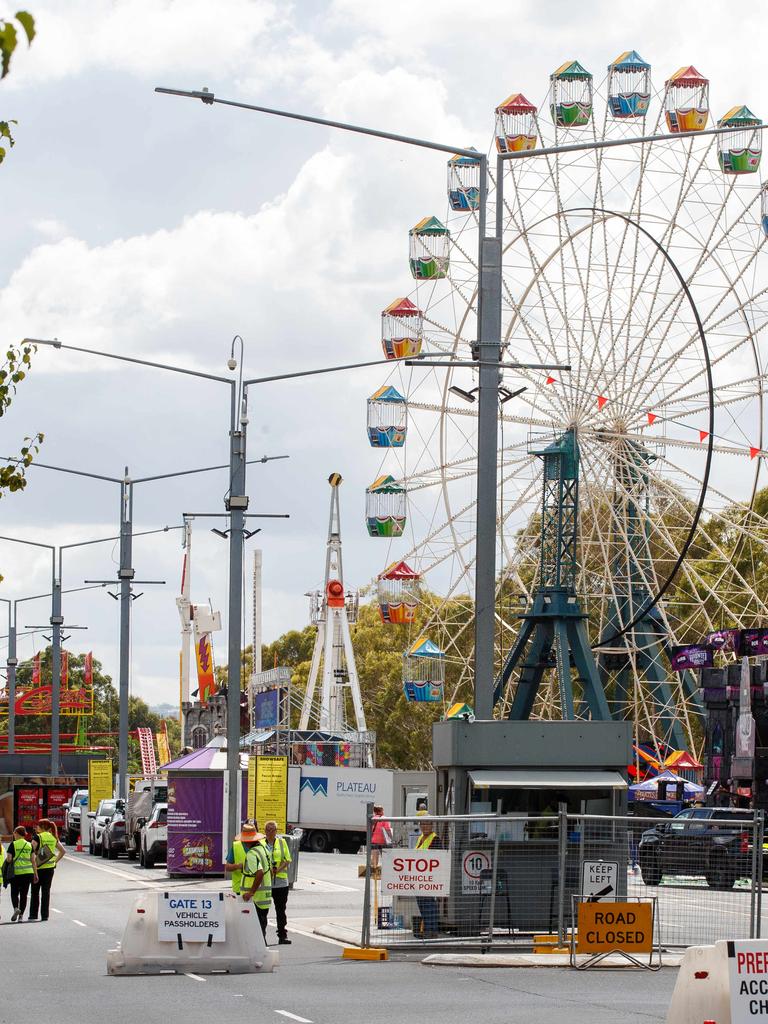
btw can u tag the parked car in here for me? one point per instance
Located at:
(141, 800)
(113, 837)
(72, 816)
(99, 819)
(154, 837)
(689, 845)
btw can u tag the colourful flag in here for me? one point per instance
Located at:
(206, 681)
(64, 668)
(88, 669)
(36, 670)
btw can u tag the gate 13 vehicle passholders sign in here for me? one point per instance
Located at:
(193, 916)
(416, 872)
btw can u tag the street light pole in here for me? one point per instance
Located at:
(10, 663)
(236, 504)
(126, 574)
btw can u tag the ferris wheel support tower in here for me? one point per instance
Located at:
(332, 610)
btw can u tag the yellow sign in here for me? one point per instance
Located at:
(163, 748)
(251, 815)
(604, 927)
(99, 783)
(271, 791)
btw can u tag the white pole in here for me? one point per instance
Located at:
(185, 613)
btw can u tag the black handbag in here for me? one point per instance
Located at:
(9, 869)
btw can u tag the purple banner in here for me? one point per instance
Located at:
(194, 825)
(723, 640)
(754, 641)
(691, 657)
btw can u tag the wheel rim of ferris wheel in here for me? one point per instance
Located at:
(750, 339)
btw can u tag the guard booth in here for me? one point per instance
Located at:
(530, 769)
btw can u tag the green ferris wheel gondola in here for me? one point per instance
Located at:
(571, 95)
(385, 508)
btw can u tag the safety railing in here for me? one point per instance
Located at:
(489, 880)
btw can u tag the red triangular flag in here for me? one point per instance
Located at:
(754, 452)
(703, 435)
(651, 418)
(551, 380)
(601, 401)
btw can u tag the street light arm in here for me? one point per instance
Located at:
(32, 543)
(129, 359)
(203, 469)
(408, 140)
(62, 469)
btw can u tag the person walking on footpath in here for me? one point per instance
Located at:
(381, 834)
(428, 840)
(48, 854)
(257, 882)
(279, 859)
(22, 869)
(247, 837)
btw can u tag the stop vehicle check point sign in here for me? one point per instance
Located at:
(416, 872)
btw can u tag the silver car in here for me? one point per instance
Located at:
(98, 823)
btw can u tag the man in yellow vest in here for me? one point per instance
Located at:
(256, 882)
(428, 840)
(279, 858)
(248, 837)
(48, 853)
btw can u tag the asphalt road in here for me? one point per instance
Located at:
(58, 968)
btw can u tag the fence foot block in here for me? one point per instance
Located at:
(363, 953)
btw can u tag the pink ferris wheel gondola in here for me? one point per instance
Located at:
(402, 325)
(686, 100)
(397, 593)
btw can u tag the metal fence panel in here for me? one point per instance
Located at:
(511, 878)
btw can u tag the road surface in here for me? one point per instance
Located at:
(58, 968)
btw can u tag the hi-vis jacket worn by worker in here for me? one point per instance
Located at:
(424, 842)
(281, 854)
(256, 860)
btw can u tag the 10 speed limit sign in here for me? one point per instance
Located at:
(473, 863)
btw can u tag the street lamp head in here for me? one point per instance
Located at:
(231, 364)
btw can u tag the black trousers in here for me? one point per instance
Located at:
(261, 913)
(280, 899)
(41, 895)
(19, 889)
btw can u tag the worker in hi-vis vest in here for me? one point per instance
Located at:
(248, 836)
(256, 883)
(279, 858)
(428, 840)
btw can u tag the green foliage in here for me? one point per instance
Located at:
(102, 725)
(9, 37)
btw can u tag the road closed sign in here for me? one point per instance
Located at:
(416, 872)
(748, 976)
(605, 927)
(191, 916)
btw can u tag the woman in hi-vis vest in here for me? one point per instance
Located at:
(21, 855)
(49, 852)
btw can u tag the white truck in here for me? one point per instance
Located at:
(329, 804)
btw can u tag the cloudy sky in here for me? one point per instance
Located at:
(154, 226)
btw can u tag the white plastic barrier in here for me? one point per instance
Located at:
(227, 936)
(723, 984)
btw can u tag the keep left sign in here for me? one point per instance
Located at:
(416, 872)
(193, 916)
(748, 976)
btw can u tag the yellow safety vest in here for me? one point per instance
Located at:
(257, 859)
(281, 852)
(49, 840)
(424, 842)
(238, 852)
(21, 851)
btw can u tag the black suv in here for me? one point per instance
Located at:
(689, 845)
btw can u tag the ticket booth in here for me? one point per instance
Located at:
(531, 769)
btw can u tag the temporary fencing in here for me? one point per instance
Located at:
(510, 880)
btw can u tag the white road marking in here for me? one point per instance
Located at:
(317, 938)
(294, 1016)
(118, 874)
(75, 921)
(57, 911)
(195, 977)
(319, 885)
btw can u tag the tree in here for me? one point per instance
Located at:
(18, 359)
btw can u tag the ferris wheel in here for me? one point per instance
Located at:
(644, 269)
